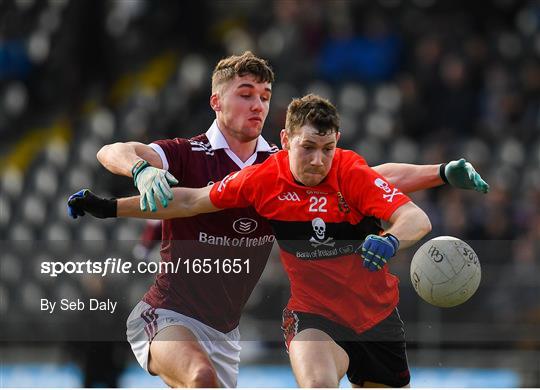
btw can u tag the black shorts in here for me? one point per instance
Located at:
(376, 355)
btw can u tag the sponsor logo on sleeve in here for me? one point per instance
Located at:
(389, 193)
(226, 180)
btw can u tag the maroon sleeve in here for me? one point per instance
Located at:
(176, 151)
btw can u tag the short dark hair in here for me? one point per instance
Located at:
(242, 65)
(315, 111)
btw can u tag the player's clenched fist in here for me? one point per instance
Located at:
(377, 250)
(152, 182)
(86, 201)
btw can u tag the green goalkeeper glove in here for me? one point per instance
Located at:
(461, 174)
(152, 182)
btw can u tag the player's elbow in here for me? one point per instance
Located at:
(418, 221)
(424, 224)
(107, 152)
(188, 208)
(102, 154)
(182, 206)
(414, 217)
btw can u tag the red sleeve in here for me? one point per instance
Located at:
(176, 152)
(371, 193)
(235, 190)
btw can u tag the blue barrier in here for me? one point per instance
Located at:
(69, 375)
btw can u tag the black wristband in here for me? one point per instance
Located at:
(442, 174)
(394, 240)
(137, 168)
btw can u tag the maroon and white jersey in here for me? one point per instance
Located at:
(210, 291)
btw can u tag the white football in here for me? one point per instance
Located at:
(445, 271)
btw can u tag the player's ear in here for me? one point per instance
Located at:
(284, 139)
(215, 102)
(338, 134)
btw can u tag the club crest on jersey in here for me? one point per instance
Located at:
(245, 225)
(290, 196)
(342, 204)
(227, 179)
(318, 239)
(389, 193)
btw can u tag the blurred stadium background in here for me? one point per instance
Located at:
(418, 81)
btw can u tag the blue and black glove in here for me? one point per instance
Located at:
(86, 201)
(377, 250)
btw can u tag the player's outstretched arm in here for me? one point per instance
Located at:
(409, 223)
(187, 203)
(140, 161)
(410, 178)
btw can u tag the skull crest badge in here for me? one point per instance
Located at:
(319, 228)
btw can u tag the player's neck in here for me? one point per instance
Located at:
(243, 150)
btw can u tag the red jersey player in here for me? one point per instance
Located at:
(180, 310)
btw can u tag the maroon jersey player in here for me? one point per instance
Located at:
(185, 329)
(237, 233)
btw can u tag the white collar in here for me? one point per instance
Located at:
(218, 141)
